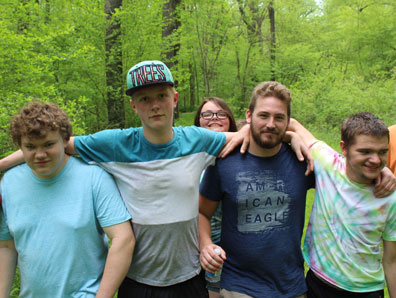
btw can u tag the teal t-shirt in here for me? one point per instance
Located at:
(57, 225)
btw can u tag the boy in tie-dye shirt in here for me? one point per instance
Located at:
(342, 246)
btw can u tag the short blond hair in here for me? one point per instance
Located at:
(271, 89)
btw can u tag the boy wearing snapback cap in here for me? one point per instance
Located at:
(157, 168)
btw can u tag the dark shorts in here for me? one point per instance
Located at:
(319, 289)
(192, 288)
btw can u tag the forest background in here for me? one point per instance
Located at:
(336, 56)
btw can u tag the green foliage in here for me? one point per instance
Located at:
(186, 119)
(325, 101)
(337, 59)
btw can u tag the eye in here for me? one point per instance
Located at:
(29, 147)
(279, 118)
(207, 115)
(384, 152)
(143, 99)
(263, 116)
(222, 115)
(365, 152)
(49, 145)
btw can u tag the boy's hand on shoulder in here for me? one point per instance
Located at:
(301, 150)
(385, 184)
(235, 139)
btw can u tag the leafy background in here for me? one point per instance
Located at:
(336, 56)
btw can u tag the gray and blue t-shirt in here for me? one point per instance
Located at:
(159, 185)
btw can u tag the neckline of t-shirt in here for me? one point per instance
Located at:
(55, 178)
(170, 143)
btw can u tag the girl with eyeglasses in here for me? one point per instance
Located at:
(215, 114)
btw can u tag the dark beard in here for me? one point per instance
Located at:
(265, 144)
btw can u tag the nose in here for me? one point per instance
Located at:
(375, 158)
(40, 154)
(271, 122)
(214, 116)
(155, 103)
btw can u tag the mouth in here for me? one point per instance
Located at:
(372, 168)
(156, 116)
(271, 133)
(41, 163)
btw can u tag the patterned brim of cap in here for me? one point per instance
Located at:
(148, 73)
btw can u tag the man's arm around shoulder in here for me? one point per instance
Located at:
(307, 137)
(8, 260)
(70, 147)
(389, 262)
(118, 259)
(12, 160)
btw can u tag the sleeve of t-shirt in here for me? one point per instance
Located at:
(4, 232)
(97, 147)
(210, 186)
(211, 141)
(325, 157)
(390, 227)
(109, 206)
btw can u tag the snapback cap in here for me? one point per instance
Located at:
(148, 73)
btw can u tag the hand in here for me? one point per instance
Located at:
(385, 183)
(210, 260)
(302, 152)
(235, 139)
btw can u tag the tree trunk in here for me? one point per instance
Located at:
(271, 15)
(114, 79)
(192, 85)
(171, 24)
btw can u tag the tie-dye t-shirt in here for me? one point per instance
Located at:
(346, 227)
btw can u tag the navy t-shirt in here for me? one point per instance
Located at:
(263, 201)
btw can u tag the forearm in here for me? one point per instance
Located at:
(390, 276)
(303, 133)
(8, 261)
(389, 264)
(234, 139)
(117, 265)
(11, 160)
(70, 147)
(204, 231)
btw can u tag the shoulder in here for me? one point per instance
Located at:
(321, 149)
(234, 158)
(327, 160)
(81, 169)
(194, 131)
(110, 134)
(285, 153)
(18, 171)
(197, 139)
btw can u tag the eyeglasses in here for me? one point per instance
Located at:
(209, 115)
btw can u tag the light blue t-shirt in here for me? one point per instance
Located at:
(159, 184)
(57, 227)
